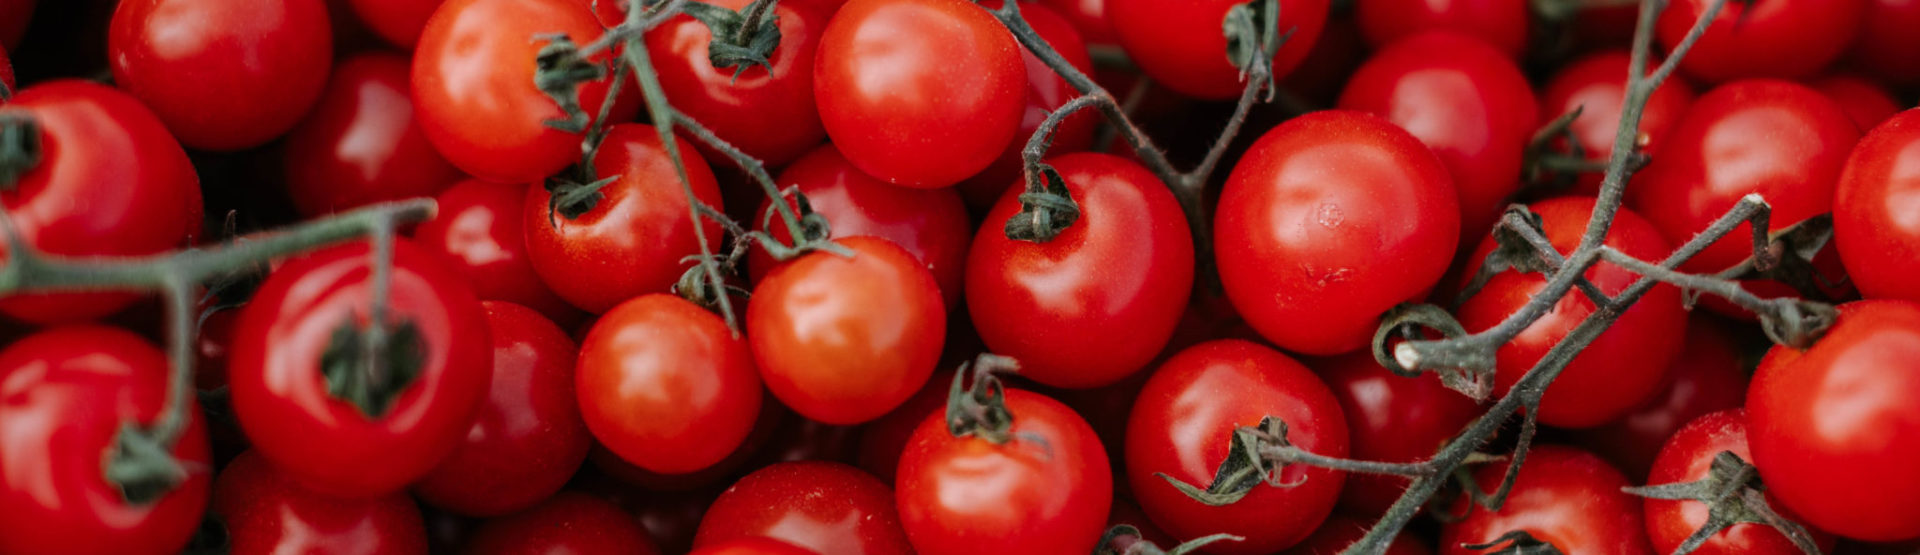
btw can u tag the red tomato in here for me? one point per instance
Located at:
(1329, 220)
(1886, 45)
(570, 522)
(14, 15)
(305, 313)
(1044, 492)
(1707, 376)
(752, 546)
(1873, 223)
(882, 440)
(266, 511)
(1390, 418)
(1564, 496)
(1770, 38)
(1596, 84)
(528, 438)
(361, 145)
(1341, 531)
(1847, 403)
(1181, 427)
(930, 224)
(223, 74)
(1046, 92)
(1097, 302)
(633, 240)
(1467, 102)
(920, 93)
(665, 384)
(64, 395)
(396, 21)
(1626, 363)
(1180, 44)
(1088, 17)
(822, 506)
(1782, 140)
(765, 111)
(478, 229)
(1501, 23)
(764, 426)
(844, 340)
(110, 182)
(1688, 457)
(487, 118)
(1866, 102)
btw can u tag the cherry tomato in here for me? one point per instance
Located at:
(1501, 23)
(1876, 198)
(306, 318)
(1341, 531)
(361, 145)
(1390, 418)
(764, 426)
(752, 546)
(1767, 38)
(1044, 492)
(1046, 92)
(1329, 220)
(396, 21)
(822, 506)
(1181, 427)
(1886, 45)
(110, 182)
(665, 384)
(1688, 457)
(1564, 496)
(919, 93)
(1844, 404)
(882, 440)
(478, 229)
(844, 340)
(1596, 84)
(1096, 303)
(765, 111)
(570, 522)
(1180, 44)
(64, 395)
(1707, 376)
(634, 238)
(1088, 17)
(1782, 140)
(14, 16)
(1467, 102)
(223, 74)
(266, 511)
(1866, 102)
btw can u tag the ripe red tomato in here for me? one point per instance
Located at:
(844, 340)
(1328, 221)
(1181, 426)
(1847, 403)
(765, 111)
(570, 522)
(1769, 38)
(1626, 363)
(1046, 92)
(1180, 44)
(1467, 102)
(633, 240)
(1044, 492)
(1390, 418)
(1687, 457)
(14, 15)
(110, 182)
(1707, 376)
(478, 230)
(1097, 302)
(1873, 208)
(920, 93)
(1564, 496)
(1501, 23)
(528, 437)
(882, 440)
(1782, 140)
(302, 325)
(1088, 17)
(752, 546)
(823, 506)
(1596, 84)
(396, 21)
(1341, 531)
(1885, 46)
(64, 394)
(266, 511)
(223, 74)
(1865, 102)
(664, 384)
(361, 145)
(487, 118)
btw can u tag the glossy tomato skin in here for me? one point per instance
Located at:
(844, 340)
(479, 232)
(1596, 84)
(1687, 457)
(64, 394)
(1045, 492)
(1046, 92)
(360, 145)
(1328, 221)
(1181, 426)
(767, 113)
(1887, 48)
(931, 224)
(1626, 363)
(1708, 376)
(1846, 403)
(398, 22)
(752, 546)
(1873, 205)
(326, 444)
(1097, 302)
(1866, 103)
(665, 384)
(823, 506)
(1501, 23)
(110, 181)
(1770, 38)
(487, 118)
(1467, 102)
(1341, 531)
(1390, 418)
(266, 511)
(1564, 496)
(528, 438)
(570, 522)
(919, 93)
(223, 74)
(631, 243)
(1180, 45)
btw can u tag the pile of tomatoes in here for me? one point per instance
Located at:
(542, 366)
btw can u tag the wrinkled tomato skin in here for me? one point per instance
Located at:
(266, 511)
(1688, 457)
(823, 506)
(1873, 225)
(1866, 103)
(1564, 496)
(766, 111)
(478, 230)
(570, 522)
(664, 384)
(1046, 92)
(1769, 38)
(1708, 376)
(1596, 85)
(361, 145)
(1390, 418)
(1179, 44)
(223, 74)
(1501, 23)
(1341, 531)
(1846, 403)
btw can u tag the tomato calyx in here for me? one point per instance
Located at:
(1045, 213)
(977, 401)
(1253, 37)
(140, 464)
(371, 375)
(1125, 539)
(559, 71)
(1472, 378)
(1734, 495)
(570, 196)
(1517, 542)
(1258, 455)
(20, 147)
(741, 39)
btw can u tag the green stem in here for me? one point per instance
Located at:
(753, 166)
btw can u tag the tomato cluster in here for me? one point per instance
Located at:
(825, 277)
